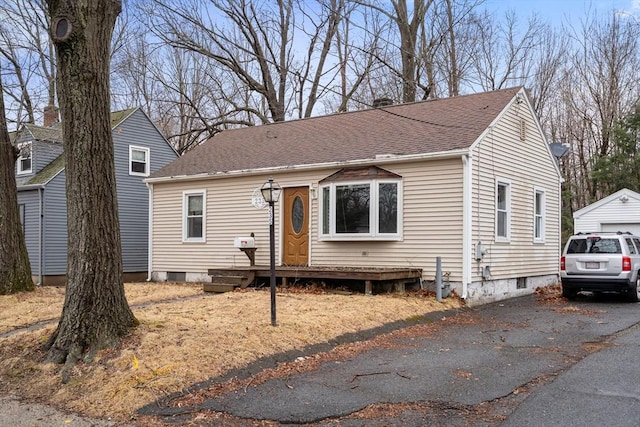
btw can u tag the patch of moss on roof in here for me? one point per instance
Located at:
(119, 116)
(48, 172)
(54, 133)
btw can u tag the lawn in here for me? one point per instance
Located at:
(185, 337)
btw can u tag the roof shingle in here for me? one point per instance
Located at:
(432, 126)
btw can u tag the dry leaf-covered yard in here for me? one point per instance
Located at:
(185, 336)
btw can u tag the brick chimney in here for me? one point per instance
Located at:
(382, 102)
(50, 115)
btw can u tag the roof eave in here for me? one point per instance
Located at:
(378, 160)
(30, 187)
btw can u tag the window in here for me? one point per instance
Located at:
(24, 158)
(361, 210)
(194, 215)
(138, 161)
(503, 211)
(538, 216)
(632, 248)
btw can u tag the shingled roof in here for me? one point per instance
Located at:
(44, 133)
(433, 126)
(54, 134)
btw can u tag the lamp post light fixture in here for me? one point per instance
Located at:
(271, 193)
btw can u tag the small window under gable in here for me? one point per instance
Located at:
(361, 204)
(138, 161)
(23, 162)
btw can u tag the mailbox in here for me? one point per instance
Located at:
(244, 242)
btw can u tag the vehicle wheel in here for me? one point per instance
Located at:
(634, 293)
(569, 294)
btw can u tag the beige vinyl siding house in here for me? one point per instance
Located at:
(513, 151)
(429, 172)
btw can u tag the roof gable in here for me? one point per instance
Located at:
(427, 127)
(48, 172)
(618, 195)
(118, 117)
(41, 133)
(54, 133)
(367, 172)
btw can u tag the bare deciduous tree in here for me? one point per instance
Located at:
(601, 86)
(15, 270)
(256, 45)
(95, 312)
(505, 51)
(25, 45)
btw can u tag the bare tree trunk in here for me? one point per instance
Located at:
(95, 313)
(15, 270)
(408, 29)
(454, 72)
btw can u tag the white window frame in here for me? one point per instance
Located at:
(185, 216)
(147, 155)
(22, 147)
(374, 193)
(507, 210)
(538, 233)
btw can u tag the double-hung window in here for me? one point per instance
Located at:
(361, 210)
(538, 216)
(503, 210)
(24, 158)
(138, 161)
(194, 216)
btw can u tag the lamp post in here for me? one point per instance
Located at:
(271, 193)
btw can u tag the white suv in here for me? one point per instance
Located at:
(601, 262)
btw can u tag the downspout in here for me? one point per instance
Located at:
(467, 216)
(40, 233)
(150, 228)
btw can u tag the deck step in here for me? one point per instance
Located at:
(228, 280)
(218, 287)
(243, 279)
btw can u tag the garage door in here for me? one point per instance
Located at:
(632, 227)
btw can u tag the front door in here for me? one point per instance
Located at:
(296, 226)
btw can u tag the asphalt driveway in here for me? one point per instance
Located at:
(528, 361)
(524, 361)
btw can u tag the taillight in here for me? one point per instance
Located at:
(562, 266)
(626, 263)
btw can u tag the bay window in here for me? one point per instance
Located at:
(361, 210)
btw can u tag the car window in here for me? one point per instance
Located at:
(636, 240)
(577, 246)
(594, 244)
(632, 248)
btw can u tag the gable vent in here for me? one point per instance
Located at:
(523, 129)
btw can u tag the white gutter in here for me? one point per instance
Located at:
(30, 187)
(467, 221)
(380, 159)
(149, 236)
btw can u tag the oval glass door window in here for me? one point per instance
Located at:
(297, 215)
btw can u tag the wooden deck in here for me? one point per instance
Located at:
(225, 279)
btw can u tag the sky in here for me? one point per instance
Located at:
(559, 12)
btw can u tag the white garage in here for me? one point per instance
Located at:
(619, 211)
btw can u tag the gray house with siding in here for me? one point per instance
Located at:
(139, 150)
